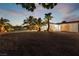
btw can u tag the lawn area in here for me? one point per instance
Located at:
(39, 44)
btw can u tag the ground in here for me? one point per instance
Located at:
(39, 44)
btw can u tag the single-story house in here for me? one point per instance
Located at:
(71, 26)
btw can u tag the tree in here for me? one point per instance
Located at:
(39, 23)
(34, 23)
(48, 17)
(31, 6)
(30, 22)
(3, 23)
(48, 5)
(8, 27)
(28, 6)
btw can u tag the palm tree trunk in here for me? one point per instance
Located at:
(0, 29)
(39, 29)
(48, 26)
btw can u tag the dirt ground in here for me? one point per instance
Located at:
(39, 44)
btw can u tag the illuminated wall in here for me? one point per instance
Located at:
(65, 27)
(54, 27)
(44, 28)
(69, 27)
(73, 27)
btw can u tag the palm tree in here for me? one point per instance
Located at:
(31, 21)
(34, 23)
(48, 17)
(3, 23)
(8, 27)
(39, 23)
(32, 7)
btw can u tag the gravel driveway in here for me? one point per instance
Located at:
(39, 44)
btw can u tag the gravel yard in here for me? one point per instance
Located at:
(39, 44)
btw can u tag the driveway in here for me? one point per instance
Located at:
(40, 43)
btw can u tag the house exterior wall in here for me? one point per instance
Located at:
(43, 28)
(73, 27)
(64, 27)
(52, 27)
(69, 27)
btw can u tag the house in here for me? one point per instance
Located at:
(72, 26)
(44, 27)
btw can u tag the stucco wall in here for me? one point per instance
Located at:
(44, 28)
(73, 27)
(64, 27)
(69, 27)
(52, 27)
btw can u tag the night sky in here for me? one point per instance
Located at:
(16, 14)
